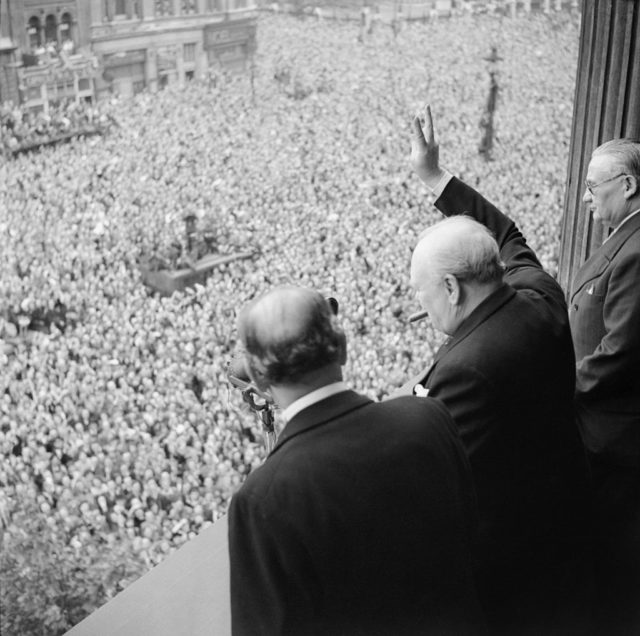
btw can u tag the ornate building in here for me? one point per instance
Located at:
(52, 50)
(152, 43)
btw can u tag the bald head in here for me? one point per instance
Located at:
(289, 333)
(460, 246)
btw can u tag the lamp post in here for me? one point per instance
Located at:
(486, 122)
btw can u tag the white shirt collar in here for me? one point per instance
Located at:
(622, 223)
(311, 398)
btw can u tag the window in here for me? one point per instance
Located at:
(33, 93)
(189, 53)
(214, 6)
(33, 30)
(65, 27)
(121, 7)
(51, 29)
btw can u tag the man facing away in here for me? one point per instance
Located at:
(604, 311)
(362, 518)
(507, 376)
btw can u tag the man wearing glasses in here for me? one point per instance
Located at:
(604, 312)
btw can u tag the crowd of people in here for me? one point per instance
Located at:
(22, 129)
(116, 417)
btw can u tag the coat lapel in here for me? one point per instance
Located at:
(600, 259)
(319, 413)
(483, 311)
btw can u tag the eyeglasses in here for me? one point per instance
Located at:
(592, 186)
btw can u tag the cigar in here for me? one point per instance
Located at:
(418, 316)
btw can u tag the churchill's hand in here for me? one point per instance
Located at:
(425, 150)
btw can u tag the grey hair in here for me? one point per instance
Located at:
(465, 248)
(625, 152)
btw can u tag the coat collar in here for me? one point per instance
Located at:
(486, 308)
(600, 259)
(321, 412)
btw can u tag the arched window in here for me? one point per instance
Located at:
(50, 29)
(33, 30)
(65, 27)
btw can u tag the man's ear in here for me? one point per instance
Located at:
(631, 186)
(453, 289)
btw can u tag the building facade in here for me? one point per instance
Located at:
(155, 43)
(54, 50)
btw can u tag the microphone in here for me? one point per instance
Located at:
(237, 373)
(238, 376)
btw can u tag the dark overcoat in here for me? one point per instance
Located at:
(359, 522)
(507, 376)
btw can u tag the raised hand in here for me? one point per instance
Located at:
(425, 150)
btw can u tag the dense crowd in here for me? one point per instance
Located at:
(115, 414)
(22, 129)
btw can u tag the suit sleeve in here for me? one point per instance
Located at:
(615, 364)
(523, 269)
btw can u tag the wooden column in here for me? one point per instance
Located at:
(606, 106)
